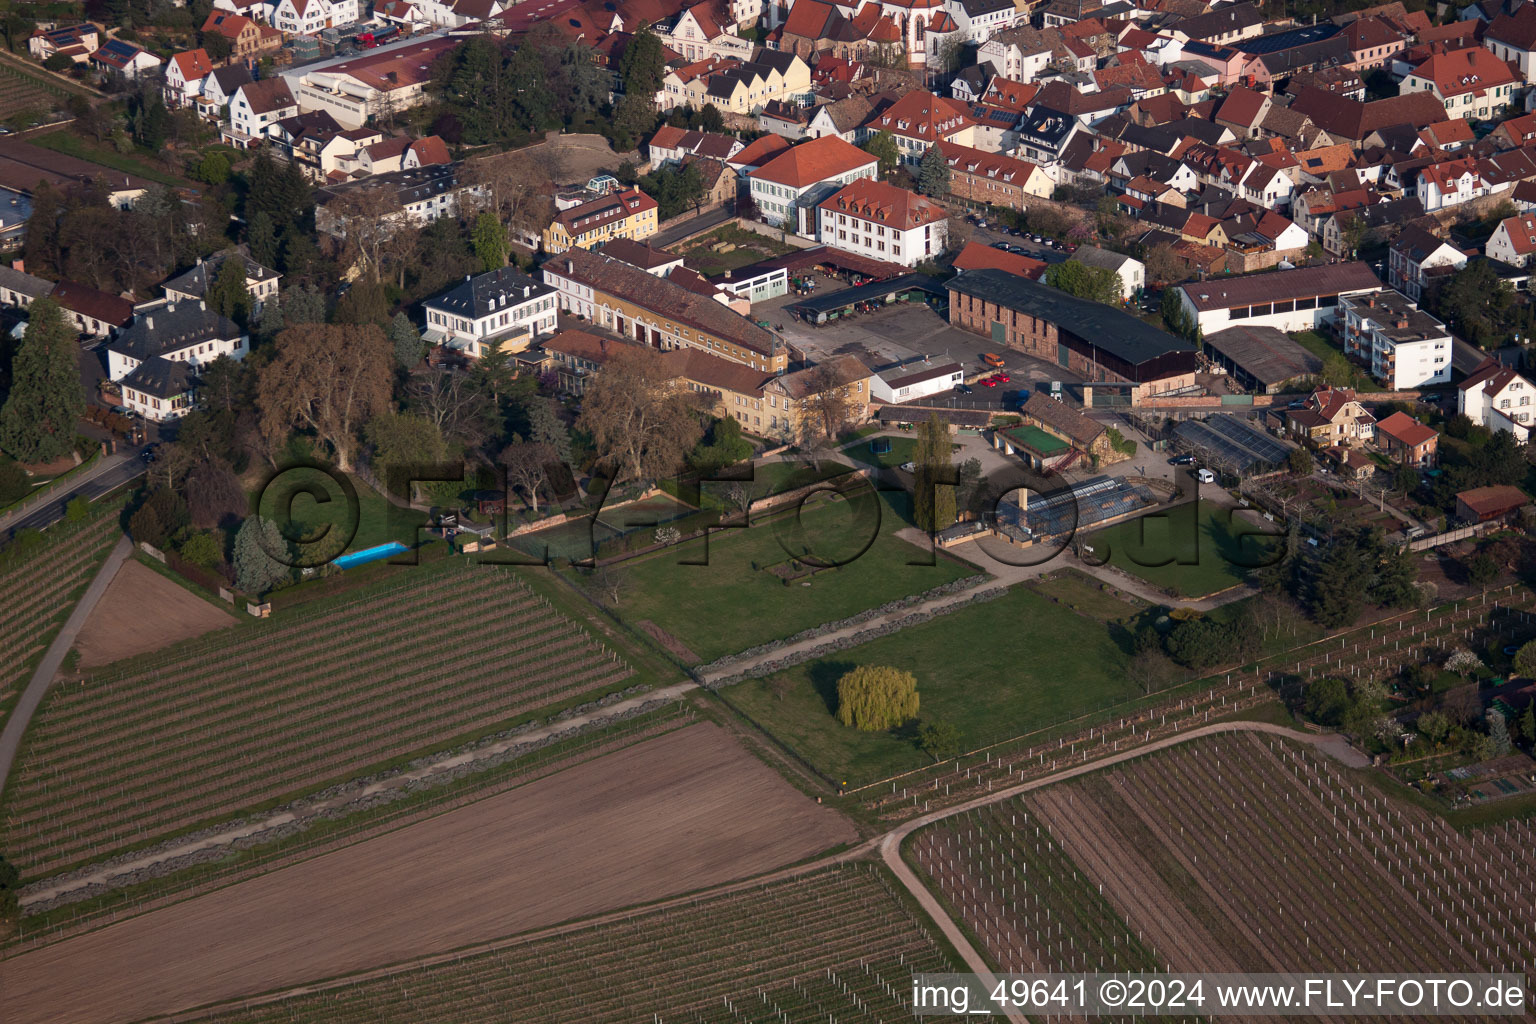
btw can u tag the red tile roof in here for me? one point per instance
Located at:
(1461, 71)
(817, 160)
(1493, 501)
(878, 201)
(977, 256)
(759, 151)
(1406, 430)
(923, 116)
(193, 64)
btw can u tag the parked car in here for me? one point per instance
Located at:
(992, 359)
(1182, 460)
(1001, 378)
(988, 382)
(1003, 246)
(1037, 239)
(963, 389)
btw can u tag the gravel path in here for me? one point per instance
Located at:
(32, 696)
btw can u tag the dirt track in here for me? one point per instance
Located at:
(143, 611)
(684, 811)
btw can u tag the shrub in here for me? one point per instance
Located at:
(939, 739)
(1525, 659)
(202, 549)
(14, 484)
(146, 526)
(78, 509)
(875, 697)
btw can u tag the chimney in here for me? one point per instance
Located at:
(19, 266)
(570, 267)
(149, 322)
(727, 275)
(202, 305)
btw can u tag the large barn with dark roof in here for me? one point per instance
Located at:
(1098, 343)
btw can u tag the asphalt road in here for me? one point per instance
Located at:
(100, 479)
(683, 229)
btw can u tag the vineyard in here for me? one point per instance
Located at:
(1327, 874)
(20, 91)
(37, 591)
(1489, 621)
(835, 947)
(239, 720)
(1013, 886)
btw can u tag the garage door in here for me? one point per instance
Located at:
(1063, 354)
(999, 333)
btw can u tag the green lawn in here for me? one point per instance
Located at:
(903, 450)
(1322, 347)
(775, 477)
(995, 670)
(732, 602)
(1188, 549)
(1086, 596)
(286, 502)
(65, 141)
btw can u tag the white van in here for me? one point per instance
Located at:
(1205, 476)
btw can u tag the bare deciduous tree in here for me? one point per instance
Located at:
(642, 423)
(330, 378)
(528, 466)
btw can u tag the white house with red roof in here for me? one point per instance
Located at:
(423, 152)
(878, 220)
(704, 30)
(671, 145)
(184, 76)
(788, 187)
(310, 17)
(1496, 397)
(919, 119)
(1470, 83)
(1449, 183)
(1514, 240)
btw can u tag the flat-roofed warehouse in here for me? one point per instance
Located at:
(1261, 358)
(1288, 300)
(1094, 341)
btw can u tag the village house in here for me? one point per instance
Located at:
(261, 283)
(247, 40)
(628, 213)
(1131, 273)
(788, 188)
(503, 310)
(417, 196)
(919, 120)
(883, 222)
(671, 145)
(92, 312)
(1499, 398)
(77, 42)
(1468, 83)
(1407, 441)
(121, 59)
(156, 358)
(1513, 241)
(255, 110)
(184, 75)
(1332, 417)
(1417, 259)
(992, 178)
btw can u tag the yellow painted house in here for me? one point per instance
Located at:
(629, 213)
